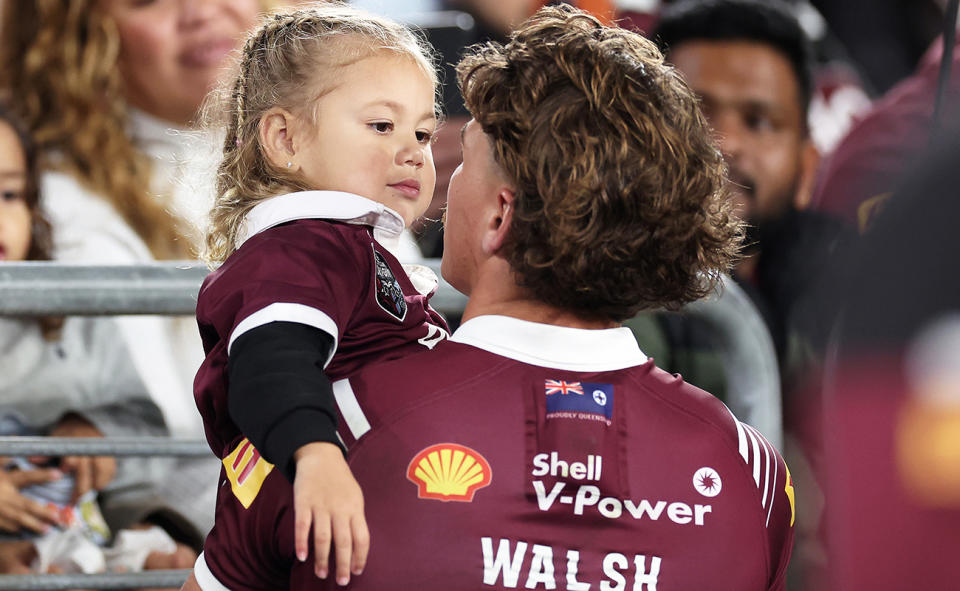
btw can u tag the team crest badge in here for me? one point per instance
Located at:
(449, 472)
(389, 293)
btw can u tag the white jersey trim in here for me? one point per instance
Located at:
(756, 440)
(547, 345)
(327, 205)
(350, 408)
(287, 312)
(205, 578)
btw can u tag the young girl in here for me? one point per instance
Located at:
(327, 158)
(68, 377)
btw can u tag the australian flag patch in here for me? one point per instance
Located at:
(389, 294)
(579, 400)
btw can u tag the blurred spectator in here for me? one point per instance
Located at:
(750, 63)
(893, 402)
(870, 161)
(69, 378)
(99, 85)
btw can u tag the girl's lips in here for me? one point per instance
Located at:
(409, 188)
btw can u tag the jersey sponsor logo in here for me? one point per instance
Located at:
(449, 472)
(508, 566)
(579, 400)
(246, 471)
(389, 293)
(551, 464)
(707, 482)
(788, 488)
(587, 497)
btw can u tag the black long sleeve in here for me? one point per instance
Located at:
(278, 394)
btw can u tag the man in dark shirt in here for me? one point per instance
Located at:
(749, 61)
(540, 447)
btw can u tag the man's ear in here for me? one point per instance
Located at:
(276, 136)
(499, 221)
(809, 161)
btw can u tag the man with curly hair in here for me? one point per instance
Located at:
(540, 446)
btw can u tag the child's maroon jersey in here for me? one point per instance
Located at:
(521, 455)
(313, 258)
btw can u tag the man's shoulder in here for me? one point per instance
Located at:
(683, 400)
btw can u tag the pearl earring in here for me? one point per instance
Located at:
(289, 164)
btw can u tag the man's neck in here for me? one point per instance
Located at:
(496, 293)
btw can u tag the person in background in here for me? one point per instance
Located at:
(68, 377)
(749, 62)
(110, 91)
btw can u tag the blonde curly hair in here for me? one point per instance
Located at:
(620, 199)
(279, 67)
(58, 68)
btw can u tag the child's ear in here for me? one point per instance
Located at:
(276, 137)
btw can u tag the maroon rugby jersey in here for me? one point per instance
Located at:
(520, 455)
(314, 258)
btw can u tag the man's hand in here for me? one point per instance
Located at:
(90, 472)
(17, 512)
(326, 496)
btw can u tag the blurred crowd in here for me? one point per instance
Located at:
(824, 111)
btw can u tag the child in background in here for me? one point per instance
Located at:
(68, 377)
(327, 159)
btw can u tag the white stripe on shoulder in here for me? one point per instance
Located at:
(350, 408)
(755, 458)
(287, 312)
(741, 436)
(773, 490)
(766, 462)
(756, 440)
(205, 578)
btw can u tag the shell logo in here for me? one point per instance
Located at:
(449, 472)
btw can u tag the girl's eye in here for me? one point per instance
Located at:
(382, 126)
(424, 137)
(11, 195)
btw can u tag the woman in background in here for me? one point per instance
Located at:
(106, 88)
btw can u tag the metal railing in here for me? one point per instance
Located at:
(115, 446)
(169, 288)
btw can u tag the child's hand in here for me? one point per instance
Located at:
(326, 495)
(90, 472)
(17, 512)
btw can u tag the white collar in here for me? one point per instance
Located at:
(547, 345)
(327, 205)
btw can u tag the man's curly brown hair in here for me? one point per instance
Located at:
(620, 201)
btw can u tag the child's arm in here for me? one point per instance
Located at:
(326, 496)
(281, 400)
